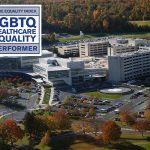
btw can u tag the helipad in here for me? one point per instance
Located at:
(119, 90)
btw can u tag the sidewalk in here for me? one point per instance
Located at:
(51, 97)
(42, 95)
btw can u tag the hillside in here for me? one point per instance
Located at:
(91, 15)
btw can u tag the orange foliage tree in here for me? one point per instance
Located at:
(82, 126)
(61, 120)
(141, 126)
(45, 140)
(127, 118)
(10, 132)
(147, 115)
(110, 131)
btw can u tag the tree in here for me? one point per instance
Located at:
(127, 118)
(61, 120)
(82, 126)
(3, 93)
(147, 115)
(50, 124)
(68, 101)
(45, 141)
(148, 106)
(92, 111)
(141, 126)
(110, 131)
(34, 126)
(10, 132)
(84, 111)
(106, 24)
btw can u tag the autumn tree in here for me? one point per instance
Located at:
(51, 124)
(147, 115)
(45, 141)
(84, 111)
(61, 120)
(82, 126)
(106, 24)
(141, 126)
(92, 111)
(148, 106)
(110, 131)
(10, 132)
(126, 117)
(3, 93)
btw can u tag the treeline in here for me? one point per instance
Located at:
(91, 15)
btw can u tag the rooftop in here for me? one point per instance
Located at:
(52, 68)
(95, 42)
(140, 51)
(44, 52)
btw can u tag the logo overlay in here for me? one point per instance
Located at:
(20, 30)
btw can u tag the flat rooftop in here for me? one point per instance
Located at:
(140, 51)
(52, 68)
(44, 52)
(95, 42)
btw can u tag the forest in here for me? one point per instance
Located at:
(91, 16)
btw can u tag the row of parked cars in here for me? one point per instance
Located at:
(136, 95)
(101, 106)
(110, 108)
(56, 95)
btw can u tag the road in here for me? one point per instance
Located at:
(133, 105)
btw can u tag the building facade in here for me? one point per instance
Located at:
(120, 49)
(68, 50)
(68, 71)
(17, 63)
(130, 65)
(98, 48)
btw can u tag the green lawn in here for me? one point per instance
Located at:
(47, 94)
(76, 37)
(138, 35)
(87, 146)
(138, 140)
(127, 142)
(141, 23)
(93, 36)
(103, 95)
(40, 147)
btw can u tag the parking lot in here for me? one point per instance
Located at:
(16, 106)
(105, 108)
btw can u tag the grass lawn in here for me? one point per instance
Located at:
(76, 37)
(40, 147)
(87, 146)
(103, 95)
(47, 94)
(138, 140)
(24, 141)
(138, 35)
(141, 23)
(127, 142)
(93, 36)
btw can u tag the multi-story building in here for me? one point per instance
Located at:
(139, 42)
(120, 49)
(98, 48)
(69, 50)
(16, 63)
(70, 71)
(129, 65)
(128, 42)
